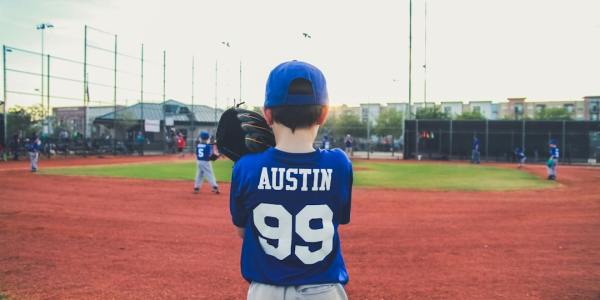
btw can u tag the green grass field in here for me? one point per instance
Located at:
(427, 176)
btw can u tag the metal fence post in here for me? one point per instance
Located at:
(142, 91)
(523, 136)
(85, 91)
(450, 138)
(564, 144)
(487, 139)
(4, 110)
(192, 115)
(216, 90)
(47, 89)
(164, 99)
(417, 138)
(368, 137)
(115, 101)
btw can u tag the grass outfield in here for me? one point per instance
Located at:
(426, 176)
(444, 176)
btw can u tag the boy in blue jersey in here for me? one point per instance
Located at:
(475, 151)
(288, 201)
(552, 160)
(520, 156)
(204, 169)
(33, 148)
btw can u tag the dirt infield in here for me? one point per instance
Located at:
(83, 238)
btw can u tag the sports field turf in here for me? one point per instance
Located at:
(426, 176)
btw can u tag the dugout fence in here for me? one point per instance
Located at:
(579, 141)
(102, 75)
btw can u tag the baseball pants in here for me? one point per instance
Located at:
(330, 291)
(552, 171)
(204, 170)
(33, 158)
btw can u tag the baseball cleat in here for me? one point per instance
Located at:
(196, 190)
(216, 191)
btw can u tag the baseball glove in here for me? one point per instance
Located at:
(241, 131)
(550, 163)
(213, 157)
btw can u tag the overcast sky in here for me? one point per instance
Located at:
(476, 49)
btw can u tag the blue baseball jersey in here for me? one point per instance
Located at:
(476, 144)
(554, 152)
(33, 146)
(290, 206)
(203, 151)
(519, 153)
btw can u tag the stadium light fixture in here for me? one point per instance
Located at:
(42, 28)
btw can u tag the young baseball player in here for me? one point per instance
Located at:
(289, 200)
(552, 160)
(475, 151)
(349, 141)
(204, 169)
(520, 156)
(33, 148)
(180, 144)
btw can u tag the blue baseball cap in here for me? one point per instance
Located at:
(204, 135)
(301, 74)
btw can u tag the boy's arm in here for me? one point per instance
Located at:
(236, 201)
(346, 200)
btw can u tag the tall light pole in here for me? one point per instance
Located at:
(410, 60)
(425, 63)
(4, 109)
(42, 28)
(240, 100)
(193, 114)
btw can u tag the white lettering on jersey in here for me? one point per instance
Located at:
(304, 173)
(277, 182)
(315, 186)
(325, 179)
(291, 179)
(263, 183)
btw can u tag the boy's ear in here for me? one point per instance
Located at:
(268, 116)
(323, 116)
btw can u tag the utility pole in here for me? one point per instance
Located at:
(410, 62)
(42, 28)
(240, 84)
(192, 115)
(142, 89)
(425, 64)
(48, 87)
(216, 89)
(4, 116)
(115, 101)
(85, 86)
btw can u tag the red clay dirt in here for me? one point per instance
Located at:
(91, 238)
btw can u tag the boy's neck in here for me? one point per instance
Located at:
(299, 141)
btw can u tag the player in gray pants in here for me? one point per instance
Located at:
(332, 291)
(204, 153)
(33, 148)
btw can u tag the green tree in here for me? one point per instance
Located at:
(553, 114)
(431, 113)
(470, 115)
(347, 123)
(389, 122)
(24, 120)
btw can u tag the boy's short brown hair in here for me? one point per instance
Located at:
(297, 116)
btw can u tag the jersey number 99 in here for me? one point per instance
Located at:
(283, 231)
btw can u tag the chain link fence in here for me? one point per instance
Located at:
(579, 141)
(101, 103)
